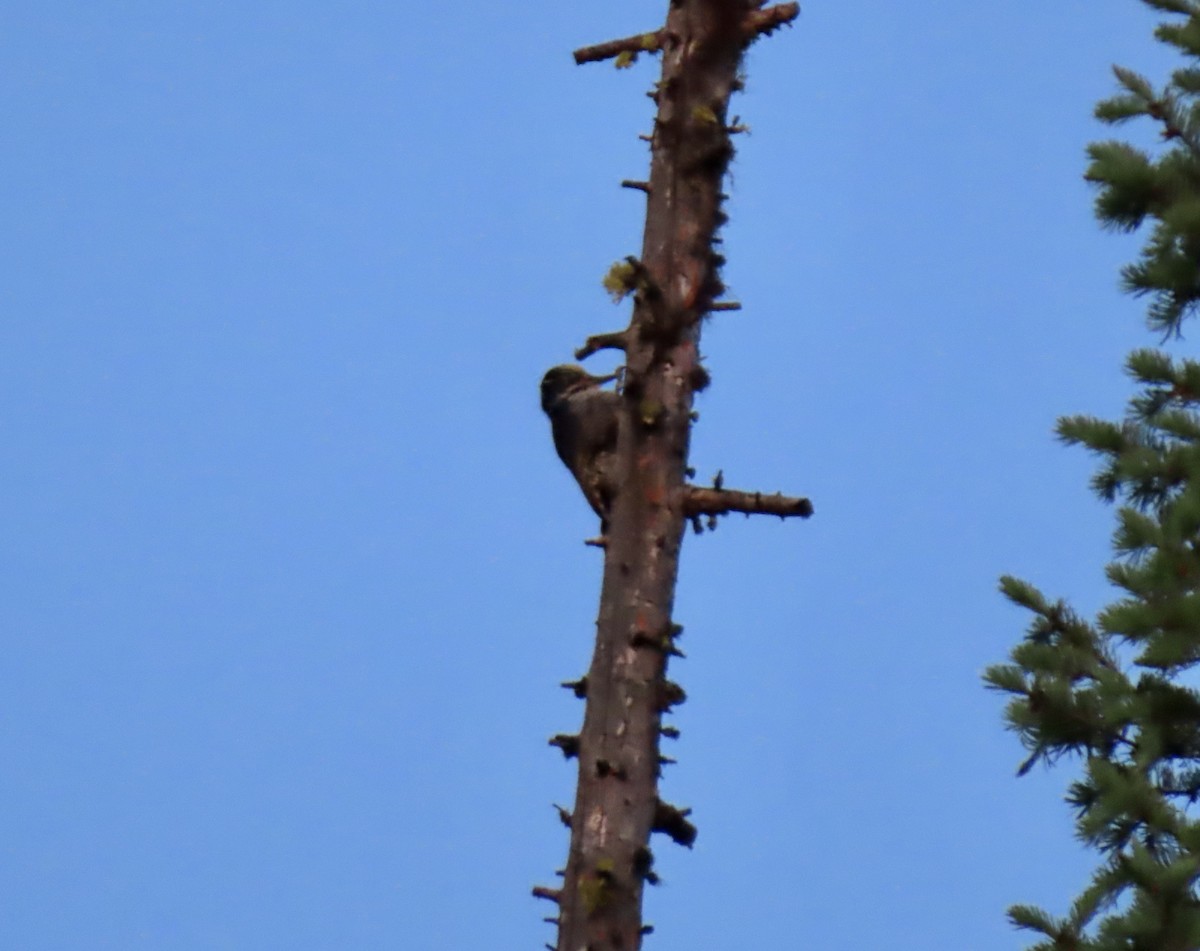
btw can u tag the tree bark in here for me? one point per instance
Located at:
(675, 283)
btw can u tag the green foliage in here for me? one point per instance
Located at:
(1183, 7)
(1135, 185)
(1116, 692)
(1119, 694)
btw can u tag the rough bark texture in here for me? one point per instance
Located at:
(675, 283)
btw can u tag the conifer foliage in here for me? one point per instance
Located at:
(1120, 691)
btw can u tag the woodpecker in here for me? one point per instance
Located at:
(583, 422)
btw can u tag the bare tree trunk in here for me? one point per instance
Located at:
(674, 283)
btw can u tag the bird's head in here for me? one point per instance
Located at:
(563, 381)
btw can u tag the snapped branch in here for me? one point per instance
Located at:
(767, 21)
(756, 23)
(642, 43)
(548, 894)
(616, 340)
(701, 501)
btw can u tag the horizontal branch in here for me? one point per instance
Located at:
(567, 742)
(700, 501)
(769, 20)
(615, 340)
(642, 43)
(673, 821)
(757, 22)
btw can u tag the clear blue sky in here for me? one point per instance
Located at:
(290, 571)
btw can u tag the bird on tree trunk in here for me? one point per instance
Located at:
(583, 422)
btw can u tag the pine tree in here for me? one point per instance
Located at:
(1120, 691)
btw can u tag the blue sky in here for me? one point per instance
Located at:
(291, 572)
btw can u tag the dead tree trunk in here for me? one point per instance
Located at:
(674, 284)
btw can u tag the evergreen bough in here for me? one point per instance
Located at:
(1121, 691)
